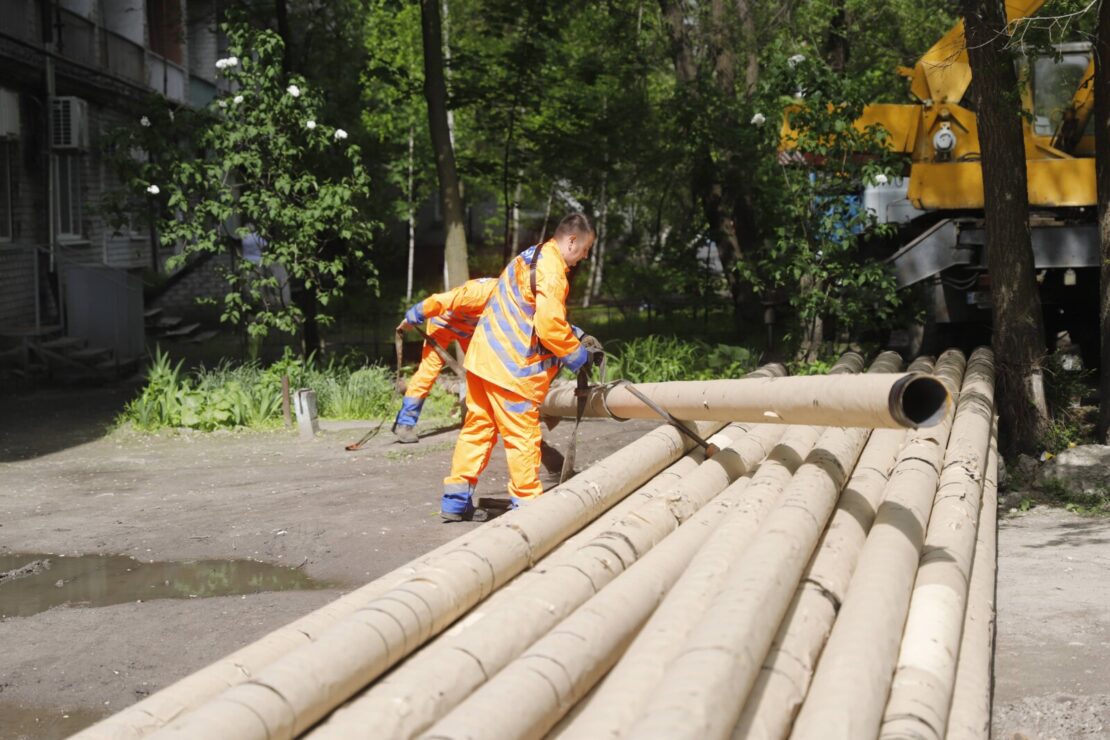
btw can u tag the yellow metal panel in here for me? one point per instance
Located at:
(959, 185)
(900, 120)
(942, 74)
(1062, 182)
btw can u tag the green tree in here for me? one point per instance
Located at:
(817, 256)
(271, 163)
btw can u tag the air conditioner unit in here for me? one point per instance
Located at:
(71, 123)
(9, 114)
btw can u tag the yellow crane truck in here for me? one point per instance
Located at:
(939, 205)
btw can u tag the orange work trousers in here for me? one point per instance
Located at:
(492, 411)
(431, 364)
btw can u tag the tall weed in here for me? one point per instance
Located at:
(248, 395)
(655, 359)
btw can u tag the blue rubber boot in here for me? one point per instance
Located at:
(404, 428)
(457, 504)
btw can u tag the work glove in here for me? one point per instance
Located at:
(593, 348)
(413, 317)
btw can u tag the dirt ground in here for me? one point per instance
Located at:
(1052, 655)
(67, 486)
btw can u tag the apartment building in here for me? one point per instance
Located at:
(70, 72)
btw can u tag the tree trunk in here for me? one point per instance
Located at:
(304, 297)
(721, 205)
(597, 262)
(1018, 338)
(836, 40)
(1102, 169)
(751, 49)
(411, 213)
(281, 14)
(435, 92)
(508, 249)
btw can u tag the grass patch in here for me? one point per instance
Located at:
(1070, 422)
(656, 359)
(1095, 502)
(248, 395)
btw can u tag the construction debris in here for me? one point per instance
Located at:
(761, 592)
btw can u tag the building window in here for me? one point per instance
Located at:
(68, 194)
(163, 21)
(7, 175)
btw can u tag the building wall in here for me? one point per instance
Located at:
(106, 60)
(205, 281)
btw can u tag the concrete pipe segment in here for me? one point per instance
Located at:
(872, 401)
(787, 586)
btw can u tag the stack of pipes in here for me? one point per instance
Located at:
(805, 580)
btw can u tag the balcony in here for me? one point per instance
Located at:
(78, 38)
(167, 78)
(122, 57)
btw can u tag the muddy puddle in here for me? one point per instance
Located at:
(41, 723)
(33, 582)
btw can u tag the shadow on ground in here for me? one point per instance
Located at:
(45, 421)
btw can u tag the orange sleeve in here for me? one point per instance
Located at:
(552, 327)
(471, 297)
(438, 303)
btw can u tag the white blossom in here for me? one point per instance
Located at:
(232, 61)
(152, 189)
(759, 119)
(294, 91)
(310, 125)
(340, 134)
(221, 64)
(170, 112)
(221, 103)
(881, 179)
(795, 60)
(237, 99)
(144, 122)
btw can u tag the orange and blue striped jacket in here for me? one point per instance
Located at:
(455, 310)
(523, 337)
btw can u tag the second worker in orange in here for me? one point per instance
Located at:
(521, 340)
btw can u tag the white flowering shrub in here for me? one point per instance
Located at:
(271, 162)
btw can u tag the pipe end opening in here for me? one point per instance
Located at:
(919, 400)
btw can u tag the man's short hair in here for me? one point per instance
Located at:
(575, 223)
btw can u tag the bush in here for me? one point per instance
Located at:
(655, 359)
(249, 395)
(1069, 424)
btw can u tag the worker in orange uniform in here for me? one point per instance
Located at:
(447, 317)
(521, 340)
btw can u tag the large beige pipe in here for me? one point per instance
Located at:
(970, 716)
(703, 689)
(849, 688)
(430, 684)
(868, 401)
(553, 674)
(291, 693)
(425, 687)
(921, 691)
(625, 691)
(592, 627)
(166, 705)
(559, 669)
(622, 695)
(784, 677)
